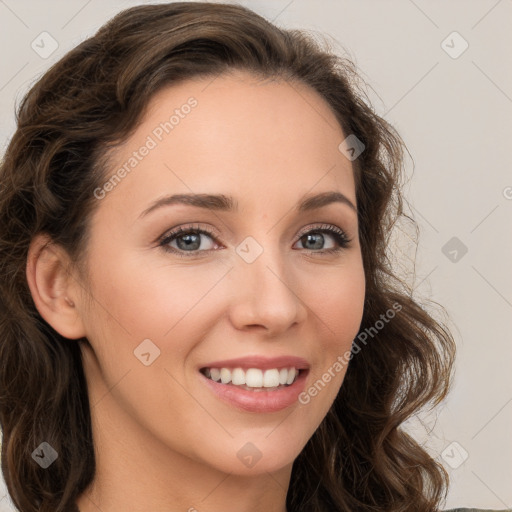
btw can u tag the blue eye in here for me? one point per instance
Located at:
(339, 236)
(188, 240)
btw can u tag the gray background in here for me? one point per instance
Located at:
(454, 113)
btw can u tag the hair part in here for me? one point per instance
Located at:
(69, 124)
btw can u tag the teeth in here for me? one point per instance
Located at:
(214, 373)
(271, 378)
(238, 377)
(225, 376)
(253, 377)
(292, 373)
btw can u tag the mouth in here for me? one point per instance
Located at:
(256, 390)
(254, 379)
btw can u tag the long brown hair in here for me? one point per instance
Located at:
(93, 98)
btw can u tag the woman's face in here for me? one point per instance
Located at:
(164, 308)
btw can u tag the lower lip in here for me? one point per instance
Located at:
(258, 401)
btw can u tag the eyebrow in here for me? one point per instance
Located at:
(221, 202)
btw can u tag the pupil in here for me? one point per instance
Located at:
(189, 241)
(318, 245)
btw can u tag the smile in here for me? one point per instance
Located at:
(253, 378)
(256, 398)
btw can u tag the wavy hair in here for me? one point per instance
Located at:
(359, 459)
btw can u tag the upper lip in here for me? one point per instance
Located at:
(265, 363)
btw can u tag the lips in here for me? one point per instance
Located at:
(261, 384)
(258, 400)
(261, 362)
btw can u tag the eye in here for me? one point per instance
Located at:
(315, 237)
(188, 239)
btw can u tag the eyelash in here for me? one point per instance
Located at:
(338, 234)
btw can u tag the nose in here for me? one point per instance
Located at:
(265, 294)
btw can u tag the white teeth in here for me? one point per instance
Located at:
(253, 377)
(271, 378)
(238, 377)
(225, 376)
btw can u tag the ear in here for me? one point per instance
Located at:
(55, 292)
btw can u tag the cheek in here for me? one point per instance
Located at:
(148, 301)
(338, 302)
(339, 312)
(346, 309)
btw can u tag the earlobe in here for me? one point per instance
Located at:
(53, 288)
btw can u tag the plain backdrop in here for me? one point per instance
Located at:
(439, 72)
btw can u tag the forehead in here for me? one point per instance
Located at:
(234, 133)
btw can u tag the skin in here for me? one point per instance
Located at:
(163, 440)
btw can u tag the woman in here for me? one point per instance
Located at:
(198, 312)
